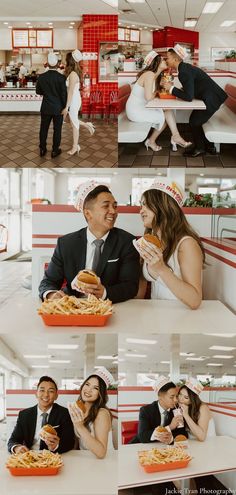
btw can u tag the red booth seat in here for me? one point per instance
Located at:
(128, 430)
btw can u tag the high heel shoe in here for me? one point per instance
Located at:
(154, 147)
(90, 127)
(73, 151)
(182, 143)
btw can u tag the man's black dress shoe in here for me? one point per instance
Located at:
(42, 152)
(211, 150)
(194, 153)
(56, 153)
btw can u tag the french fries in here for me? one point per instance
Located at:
(35, 459)
(71, 305)
(162, 456)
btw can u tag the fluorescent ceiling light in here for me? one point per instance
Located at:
(214, 364)
(221, 348)
(218, 356)
(60, 361)
(28, 23)
(141, 341)
(187, 354)
(223, 335)
(196, 359)
(165, 362)
(72, 23)
(212, 7)
(114, 362)
(121, 360)
(36, 356)
(71, 27)
(39, 366)
(6, 23)
(136, 355)
(63, 346)
(105, 357)
(136, 1)
(190, 23)
(112, 3)
(227, 23)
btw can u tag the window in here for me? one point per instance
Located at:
(139, 185)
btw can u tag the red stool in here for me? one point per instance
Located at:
(96, 103)
(113, 104)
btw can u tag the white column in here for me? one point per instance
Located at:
(174, 357)
(89, 354)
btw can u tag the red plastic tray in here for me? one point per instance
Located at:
(75, 320)
(153, 468)
(50, 471)
(166, 96)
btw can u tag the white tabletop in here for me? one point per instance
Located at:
(215, 455)
(176, 104)
(136, 315)
(82, 473)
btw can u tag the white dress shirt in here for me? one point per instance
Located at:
(36, 441)
(163, 414)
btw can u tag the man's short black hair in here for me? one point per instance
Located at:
(94, 194)
(47, 379)
(167, 387)
(173, 52)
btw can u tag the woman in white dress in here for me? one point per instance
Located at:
(175, 271)
(93, 427)
(73, 74)
(144, 90)
(197, 415)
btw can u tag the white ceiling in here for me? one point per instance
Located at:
(154, 13)
(161, 351)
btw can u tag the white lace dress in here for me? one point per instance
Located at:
(136, 110)
(211, 431)
(75, 105)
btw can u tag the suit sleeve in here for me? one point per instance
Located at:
(180, 431)
(66, 434)
(129, 273)
(145, 430)
(17, 436)
(54, 275)
(64, 92)
(39, 90)
(187, 91)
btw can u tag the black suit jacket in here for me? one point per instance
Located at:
(118, 267)
(52, 86)
(197, 84)
(24, 430)
(149, 419)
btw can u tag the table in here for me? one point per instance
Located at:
(215, 455)
(176, 104)
(82, 473)
(134, 316)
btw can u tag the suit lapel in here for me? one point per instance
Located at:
(107, 251)
(32, 424)
(82, 250)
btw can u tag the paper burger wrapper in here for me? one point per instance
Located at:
(138, 243)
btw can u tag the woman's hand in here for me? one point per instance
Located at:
(152, 255)
(184, 409)
(175, 422)
(77, 416)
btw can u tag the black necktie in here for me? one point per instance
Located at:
(166, 418)
(97, 253)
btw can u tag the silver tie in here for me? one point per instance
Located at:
(97, 253)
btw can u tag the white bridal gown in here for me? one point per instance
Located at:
(75, 106)
(136, 111)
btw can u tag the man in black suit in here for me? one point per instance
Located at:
(195, 84)
(52, 86)
(27, 432)
(117, 264)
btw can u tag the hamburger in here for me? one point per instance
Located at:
(153, 239)
(48, 429)
(86, 277)
(81, 405)
(161, 429)
(180, 438)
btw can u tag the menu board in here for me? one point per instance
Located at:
(121, 34)
(126, 34)
(134, 35)
(20, 38)
(32, 38)
(44, 38)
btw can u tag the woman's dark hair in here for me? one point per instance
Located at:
(166, 387)
(195, 404)
(169, 218)
(153, 66)
(100, 402)
(72, 66)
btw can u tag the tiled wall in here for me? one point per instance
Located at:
(97, 28)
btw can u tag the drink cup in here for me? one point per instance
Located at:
(178, 412)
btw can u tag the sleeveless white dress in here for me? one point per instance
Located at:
(211, 431)
(137, 112)
(82, 446)
(75, 105)
(159, 289)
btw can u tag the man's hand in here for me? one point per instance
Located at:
(52, 441)
(20, 449)
(164, 437)
(96, 290)
(58, 294)
(166, 85)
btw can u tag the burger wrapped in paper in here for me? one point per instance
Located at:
(146, 240)
(83, 279)
(47, 429)
(81, 405)
(181, 441)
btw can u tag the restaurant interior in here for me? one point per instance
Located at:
(207, 31)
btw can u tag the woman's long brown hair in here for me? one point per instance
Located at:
(100, 402)
(153, 66)
(169, 218)
(195, 404)
(72, 66)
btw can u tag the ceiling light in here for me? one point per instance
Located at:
(50, 23)
(60, 361)
(36, 356)
(71, 27)
(214, 364)
(136, 355)
(195, 359)
(6, 23)
(165, 362)
(9, 27)
(201, 175)
(221, 348)
(63, 346)
(121, 360)
(212, 7)
(190, 22)
(187, 354)
(112, 3)
(145, 27)
(218, 356)
(39, 366)
(133, 25)
(114, 362)
(223, 335)
(227, 23)
(141, 341)
(72, 23)
(136, 1)
(28, 23)
(105, 357)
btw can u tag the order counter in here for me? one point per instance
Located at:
(19, 100)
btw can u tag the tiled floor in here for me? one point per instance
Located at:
(19, 144)
(136, 155)
(12, 276)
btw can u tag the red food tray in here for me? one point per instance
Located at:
(50, 471)
(75, 320)
(153, 468)
(166, 96)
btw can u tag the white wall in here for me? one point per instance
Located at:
(146, 37)
(213, 40)
(5, 39)
(65, 39)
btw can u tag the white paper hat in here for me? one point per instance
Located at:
(169, 187)
(52, 59)
(77, 55)
(194, 385)
(83, 191)
(105, 375)
(181, 51)
(150, 57)
(160, 382)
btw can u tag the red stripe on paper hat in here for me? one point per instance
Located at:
(194, 385)
(169, 187)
